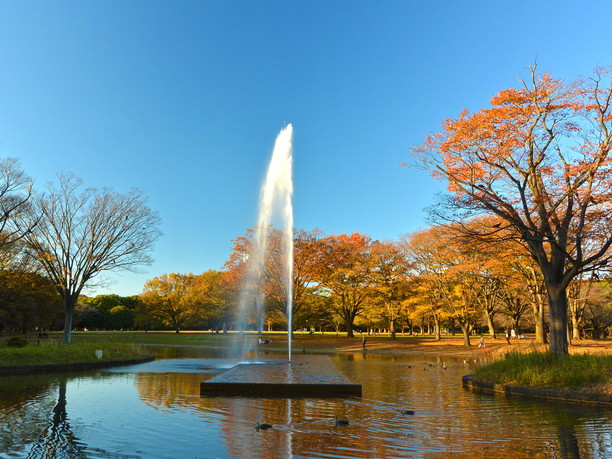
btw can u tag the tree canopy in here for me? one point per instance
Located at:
(538, 159)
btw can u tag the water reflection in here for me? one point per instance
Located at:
(58, 440)
(148, 412)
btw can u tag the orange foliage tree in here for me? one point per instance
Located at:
(388, 281)
(165, 299)
(538, 159)
(272, 283)
(344, 271)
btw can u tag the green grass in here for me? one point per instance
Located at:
(55, 352)
(575, 372)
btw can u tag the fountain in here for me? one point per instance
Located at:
(310, 375)
(275, 206)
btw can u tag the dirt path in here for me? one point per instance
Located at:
(448, 345)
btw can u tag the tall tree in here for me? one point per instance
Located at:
(15, 193)
(273, 285)
(211, 298)
(166, 298)
(82, 233)
(344, 267)
(388, 280)
(538, 159)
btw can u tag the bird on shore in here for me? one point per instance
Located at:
(444, 365)
(407, 412)
(341, 422)
(262, 426)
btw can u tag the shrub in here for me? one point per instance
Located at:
(16, 342)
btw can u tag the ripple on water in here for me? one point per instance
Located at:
(159, 414)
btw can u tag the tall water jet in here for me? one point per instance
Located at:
(275, 206)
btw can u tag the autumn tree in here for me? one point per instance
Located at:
(166, 298)
(27, 300)
(80, 234)
(273, 286)
(452, 279)
(539, 160)
(429, 285)
(598, 311)
(388, 280)
(210, 298)
(344, 267)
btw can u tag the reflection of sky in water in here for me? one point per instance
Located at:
(155, 410)
(108, 410)
(177, 366)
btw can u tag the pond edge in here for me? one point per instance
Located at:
(540, 392)
(75, 366)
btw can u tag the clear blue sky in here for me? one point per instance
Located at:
(184, 99)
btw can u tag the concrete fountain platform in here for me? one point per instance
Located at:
(306, 376)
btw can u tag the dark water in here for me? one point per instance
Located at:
(155, 411)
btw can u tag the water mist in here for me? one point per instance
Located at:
(275, 208)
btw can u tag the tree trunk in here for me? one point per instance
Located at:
(538, 317)
(491, 326)
(392, 328)
(465, 328)
(557, 302)
(68, 313)
(437, 327)
(575, 324)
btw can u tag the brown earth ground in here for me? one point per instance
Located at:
(448, 345)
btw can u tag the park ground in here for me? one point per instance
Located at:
(119, 343)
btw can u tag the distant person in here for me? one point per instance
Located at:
(363, 343)
(513, 333)
(482, 343)
(507, 333)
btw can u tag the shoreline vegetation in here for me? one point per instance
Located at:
(587, 369)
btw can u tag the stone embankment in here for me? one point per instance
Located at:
(75, 366)
(540, 392)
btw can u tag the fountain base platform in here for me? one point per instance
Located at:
(305, 376)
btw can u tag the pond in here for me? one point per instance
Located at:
(155, 410)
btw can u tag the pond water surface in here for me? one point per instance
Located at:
(155, 410)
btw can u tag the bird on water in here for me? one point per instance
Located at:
(259, 426)
(341, 422)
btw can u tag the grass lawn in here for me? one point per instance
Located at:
(55, 352)
(581, 372)
(520, 366)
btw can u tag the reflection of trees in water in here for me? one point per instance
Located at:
(24, 404)
(448, 417)
(168, 390)
(575, 439)
(58, 440)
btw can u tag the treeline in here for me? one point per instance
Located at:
(432, 281)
